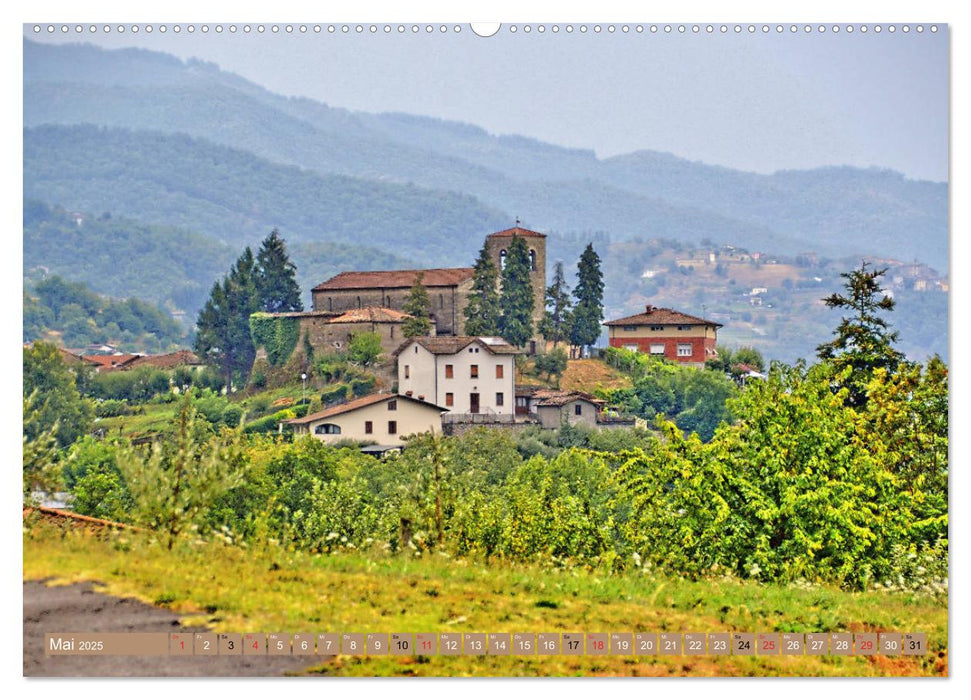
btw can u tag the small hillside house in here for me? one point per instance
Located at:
(465, 374)
(666, 333)
(554, 408)
(384, 419)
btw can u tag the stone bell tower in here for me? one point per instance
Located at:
(498, 243)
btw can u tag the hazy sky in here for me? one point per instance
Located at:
(758, 102)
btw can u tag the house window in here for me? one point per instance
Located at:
(499, 398)
(393, 405)
(449, 371)
(657, 328)
(392, 332)
(684, 328)
(632, 347)
(416, 348)
(630, 328)
(407, 371)
(359, 302)
(368, 427)
(474, 371)
(684, 350)
(450, 399)
(502, 260)
(532, 260)
(441, 301)
(657, 348)
(499, 371)
(327, 429)
(392, 427)
(330, 303)
(578, 409)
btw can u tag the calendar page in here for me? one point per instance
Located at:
(531, 349)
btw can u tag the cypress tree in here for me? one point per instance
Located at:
(483, 313)
(276, 281)
(588, 314)
(516, 300)
(417, 305)
(559, 313)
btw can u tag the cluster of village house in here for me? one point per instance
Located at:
(449, 381)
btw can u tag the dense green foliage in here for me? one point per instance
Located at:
(276, 277)
(552, 363)
(222, 331)
(418, 306)
(801, 487)
(516, 298)
(588, 313)
(557, 323)
(79, 317)
(694, 399)
(863, 341)
(226, 331)
(120, 257)
(277, 335)
(365, 349)
(56, 404)
(483, 312)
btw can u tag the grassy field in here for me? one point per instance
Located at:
(270, 589)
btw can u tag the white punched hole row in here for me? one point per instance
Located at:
(483, 30)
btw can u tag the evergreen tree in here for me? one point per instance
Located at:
(276, 281)
(588, 314)
(417, 306)
(516, 300)
(483, 313)
(559, 312)
(864, 341)
(223, 332)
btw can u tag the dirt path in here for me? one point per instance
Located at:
(78, 608)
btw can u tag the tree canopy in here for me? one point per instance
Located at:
(588, 314)
(863, 341)
(516, 300)
(483, 313)
(558, 320)
(276, 277)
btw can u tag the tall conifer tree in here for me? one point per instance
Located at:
(556, 324)
(483, 313)
(516, 300)
(276, 277)
(223, 334)
(588, 314)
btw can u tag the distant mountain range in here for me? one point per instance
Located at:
(405, 165)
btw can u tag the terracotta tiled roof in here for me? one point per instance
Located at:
(555, 397)
(451, 344)
(109, 361)
(368, 400)
(516, 231)
(178, 358)
(655, 316)
(396, 279)
(372, 314)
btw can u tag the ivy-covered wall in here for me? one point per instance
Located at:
(278, 335)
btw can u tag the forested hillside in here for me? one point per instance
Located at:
(832, 211)
(120, 257)
(74, 316)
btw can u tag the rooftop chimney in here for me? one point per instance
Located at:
(649, 308)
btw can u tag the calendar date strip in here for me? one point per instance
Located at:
(487, 644)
